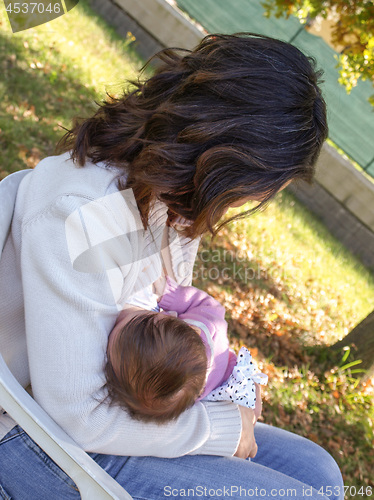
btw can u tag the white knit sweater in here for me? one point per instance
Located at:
(75, 254)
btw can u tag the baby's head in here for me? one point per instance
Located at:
(156, 365)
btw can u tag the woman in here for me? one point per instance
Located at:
(236, 119)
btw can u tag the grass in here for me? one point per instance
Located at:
(318, 273)
(51, 74)
(290, 289)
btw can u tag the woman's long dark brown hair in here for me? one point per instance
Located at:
(238, 117)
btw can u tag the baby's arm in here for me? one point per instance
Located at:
(191, 303)
(202, 311)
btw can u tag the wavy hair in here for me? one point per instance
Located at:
(237, 117)
(156, 367)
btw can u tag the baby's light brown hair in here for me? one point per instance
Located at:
(156, 367)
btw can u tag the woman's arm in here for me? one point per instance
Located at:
(69, 314)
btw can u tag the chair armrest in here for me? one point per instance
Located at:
(91, 480)
(8, 193)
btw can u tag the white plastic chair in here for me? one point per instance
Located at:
(91, 480)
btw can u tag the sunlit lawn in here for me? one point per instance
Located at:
(291, 290)
(318, 277)
(289, 287)
(52, 73)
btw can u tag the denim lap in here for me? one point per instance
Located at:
(27, 472)
(287, 466)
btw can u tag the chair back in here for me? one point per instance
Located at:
(12, 345)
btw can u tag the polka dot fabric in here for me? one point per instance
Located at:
(240, 386)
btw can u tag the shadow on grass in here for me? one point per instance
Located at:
(35, 101)
(330, 428)
(256, 295)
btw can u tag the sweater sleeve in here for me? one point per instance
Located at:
(71, 305)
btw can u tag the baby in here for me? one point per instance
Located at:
(160, 362)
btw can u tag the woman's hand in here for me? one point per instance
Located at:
(258, 407)
(247, 444)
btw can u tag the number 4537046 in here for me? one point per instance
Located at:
(33, 7)
(352, 491)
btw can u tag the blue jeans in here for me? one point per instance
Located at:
(286, 466)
